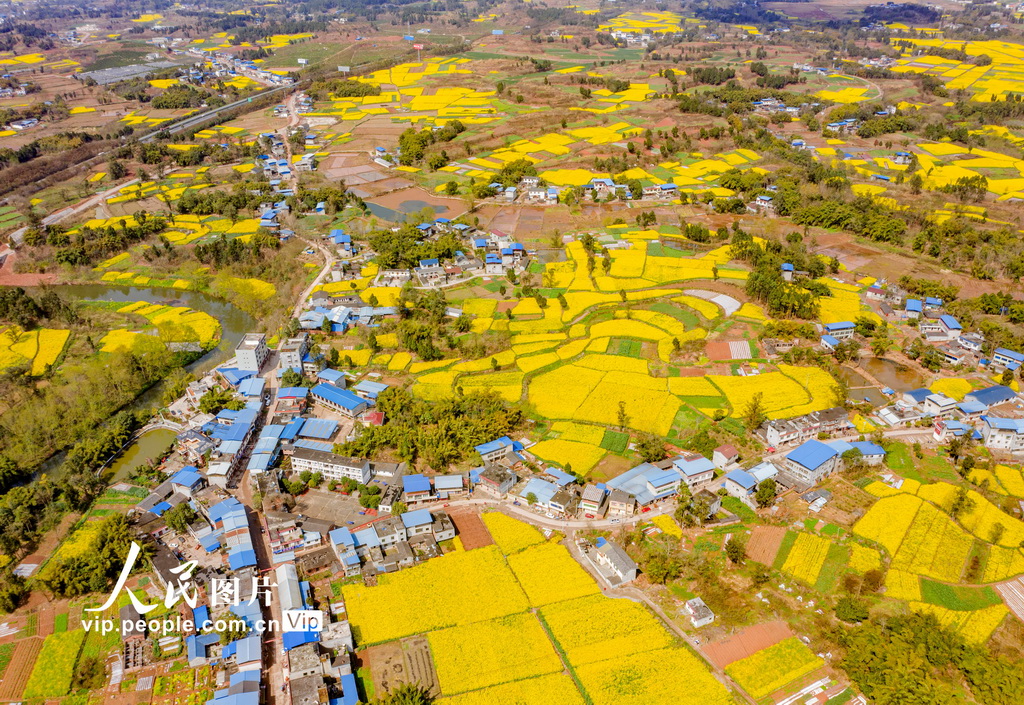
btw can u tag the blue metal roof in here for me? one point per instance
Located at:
(1004, 424)
(841, 325)
(415, 518)
(272, 430)
(314, 445)
(415, 483)
(331, 376)
(918, 395)
(914, 305)
(542, 489)
(971, 407)
(340, 397)
(990, 396)
(366, 537)
(635, 482)
(188, 476)
(497, 444)
(950, 322)
(319, 428)
(259, 462)
(742, 479)
(200, 615)
(868, 448)
(248, 650)
(294, 639)
(812, 454)
(342, 537)
(1011, 354)
(448, 482)
(349, 691)
(663, 478)
(562, 478)
(210, 542)
(693, 467)
(370, 388)
(292, 393)
(252, 387)
(291, 429)
(787, 267)
(932, 301)
(160, 508)
(222, 509)
(234, 375)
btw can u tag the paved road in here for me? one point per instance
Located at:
(193, 120)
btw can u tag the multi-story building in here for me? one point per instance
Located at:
(291, 352)
(1002, 434)
(331, 466)
(252, 352)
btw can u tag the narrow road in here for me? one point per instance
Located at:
(57, 216)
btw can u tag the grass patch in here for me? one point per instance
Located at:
(831, 530)
(364, 682)
(685, 317)
(898, 457)
(6, 651)
(958, 597)
(835, 564)
(116, 59)
(735, 506)
(60, 623)
(787, 545)
(656, 249)
(841, 699)
(615, 441)
(937, 467)
(626, 347)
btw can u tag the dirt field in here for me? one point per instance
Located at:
(764, 543)
(472, 530)
(745, 643)
(20, 668)
(398, 662)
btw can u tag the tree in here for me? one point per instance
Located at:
(996, 533)
(850, 609)
(531, 498)
(735, 551)
(622, 416)
(766, 493)
(179, 517)
(661, 567)
(291, 378)
(116, 169)
(753, 414)
(962, 503)
(398, 509)
(650, 448)
(405, 694)
(216, 399)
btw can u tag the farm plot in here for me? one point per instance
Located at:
(934, 546)
(653, 678)
(548, 574)
(478, 585)
(975, 626)
(764, 543)
(773, 668)
(511, 535)
(478, 656)
(555, 688)
(26, 652)
(806, 558)
(51, 676)
(594, 628)
(888, 520)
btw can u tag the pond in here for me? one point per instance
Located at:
(893, 374)
(146, 448)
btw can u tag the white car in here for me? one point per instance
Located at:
(614, 521)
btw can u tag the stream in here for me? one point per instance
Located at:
(234, 322)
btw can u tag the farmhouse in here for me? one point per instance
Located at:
(1002, 433)
(613, 557)
(808, 464)
(331, 466)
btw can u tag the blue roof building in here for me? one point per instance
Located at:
(829, 342)
(739, 482)
(811, 461)
(330, 376)
(991, 396)
(340, 400)
(913, 306)
(696, 470)
(417, 518)
(416, 484)
(648, 483)
(541, 489)
(950, 323)
(370, 389)
(318, 428)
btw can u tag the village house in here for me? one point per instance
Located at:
(331, 466)
(616, 560)
(805, 466)
(495, 480)
(1000, 433)
(780, 432)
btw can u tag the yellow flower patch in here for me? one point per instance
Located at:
(511, 535)
(549, 574)
(594, 629)
(770, 669)
(581, 456)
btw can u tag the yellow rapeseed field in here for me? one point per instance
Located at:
(549, 574)
(888, 520)
(653, 678)
(595, 628)
(975, 626)
(934, 546)
(475, 585)
(806, 558)
(555, 688)
(770, 669)
(863, 559)
(511, 535)
(477, 655)
(902, 585)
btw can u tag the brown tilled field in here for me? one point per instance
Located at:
(471, 529)
(745, 643)
(398, 662)
(764, 543)
(20, 668)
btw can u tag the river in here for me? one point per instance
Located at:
(234, 323)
